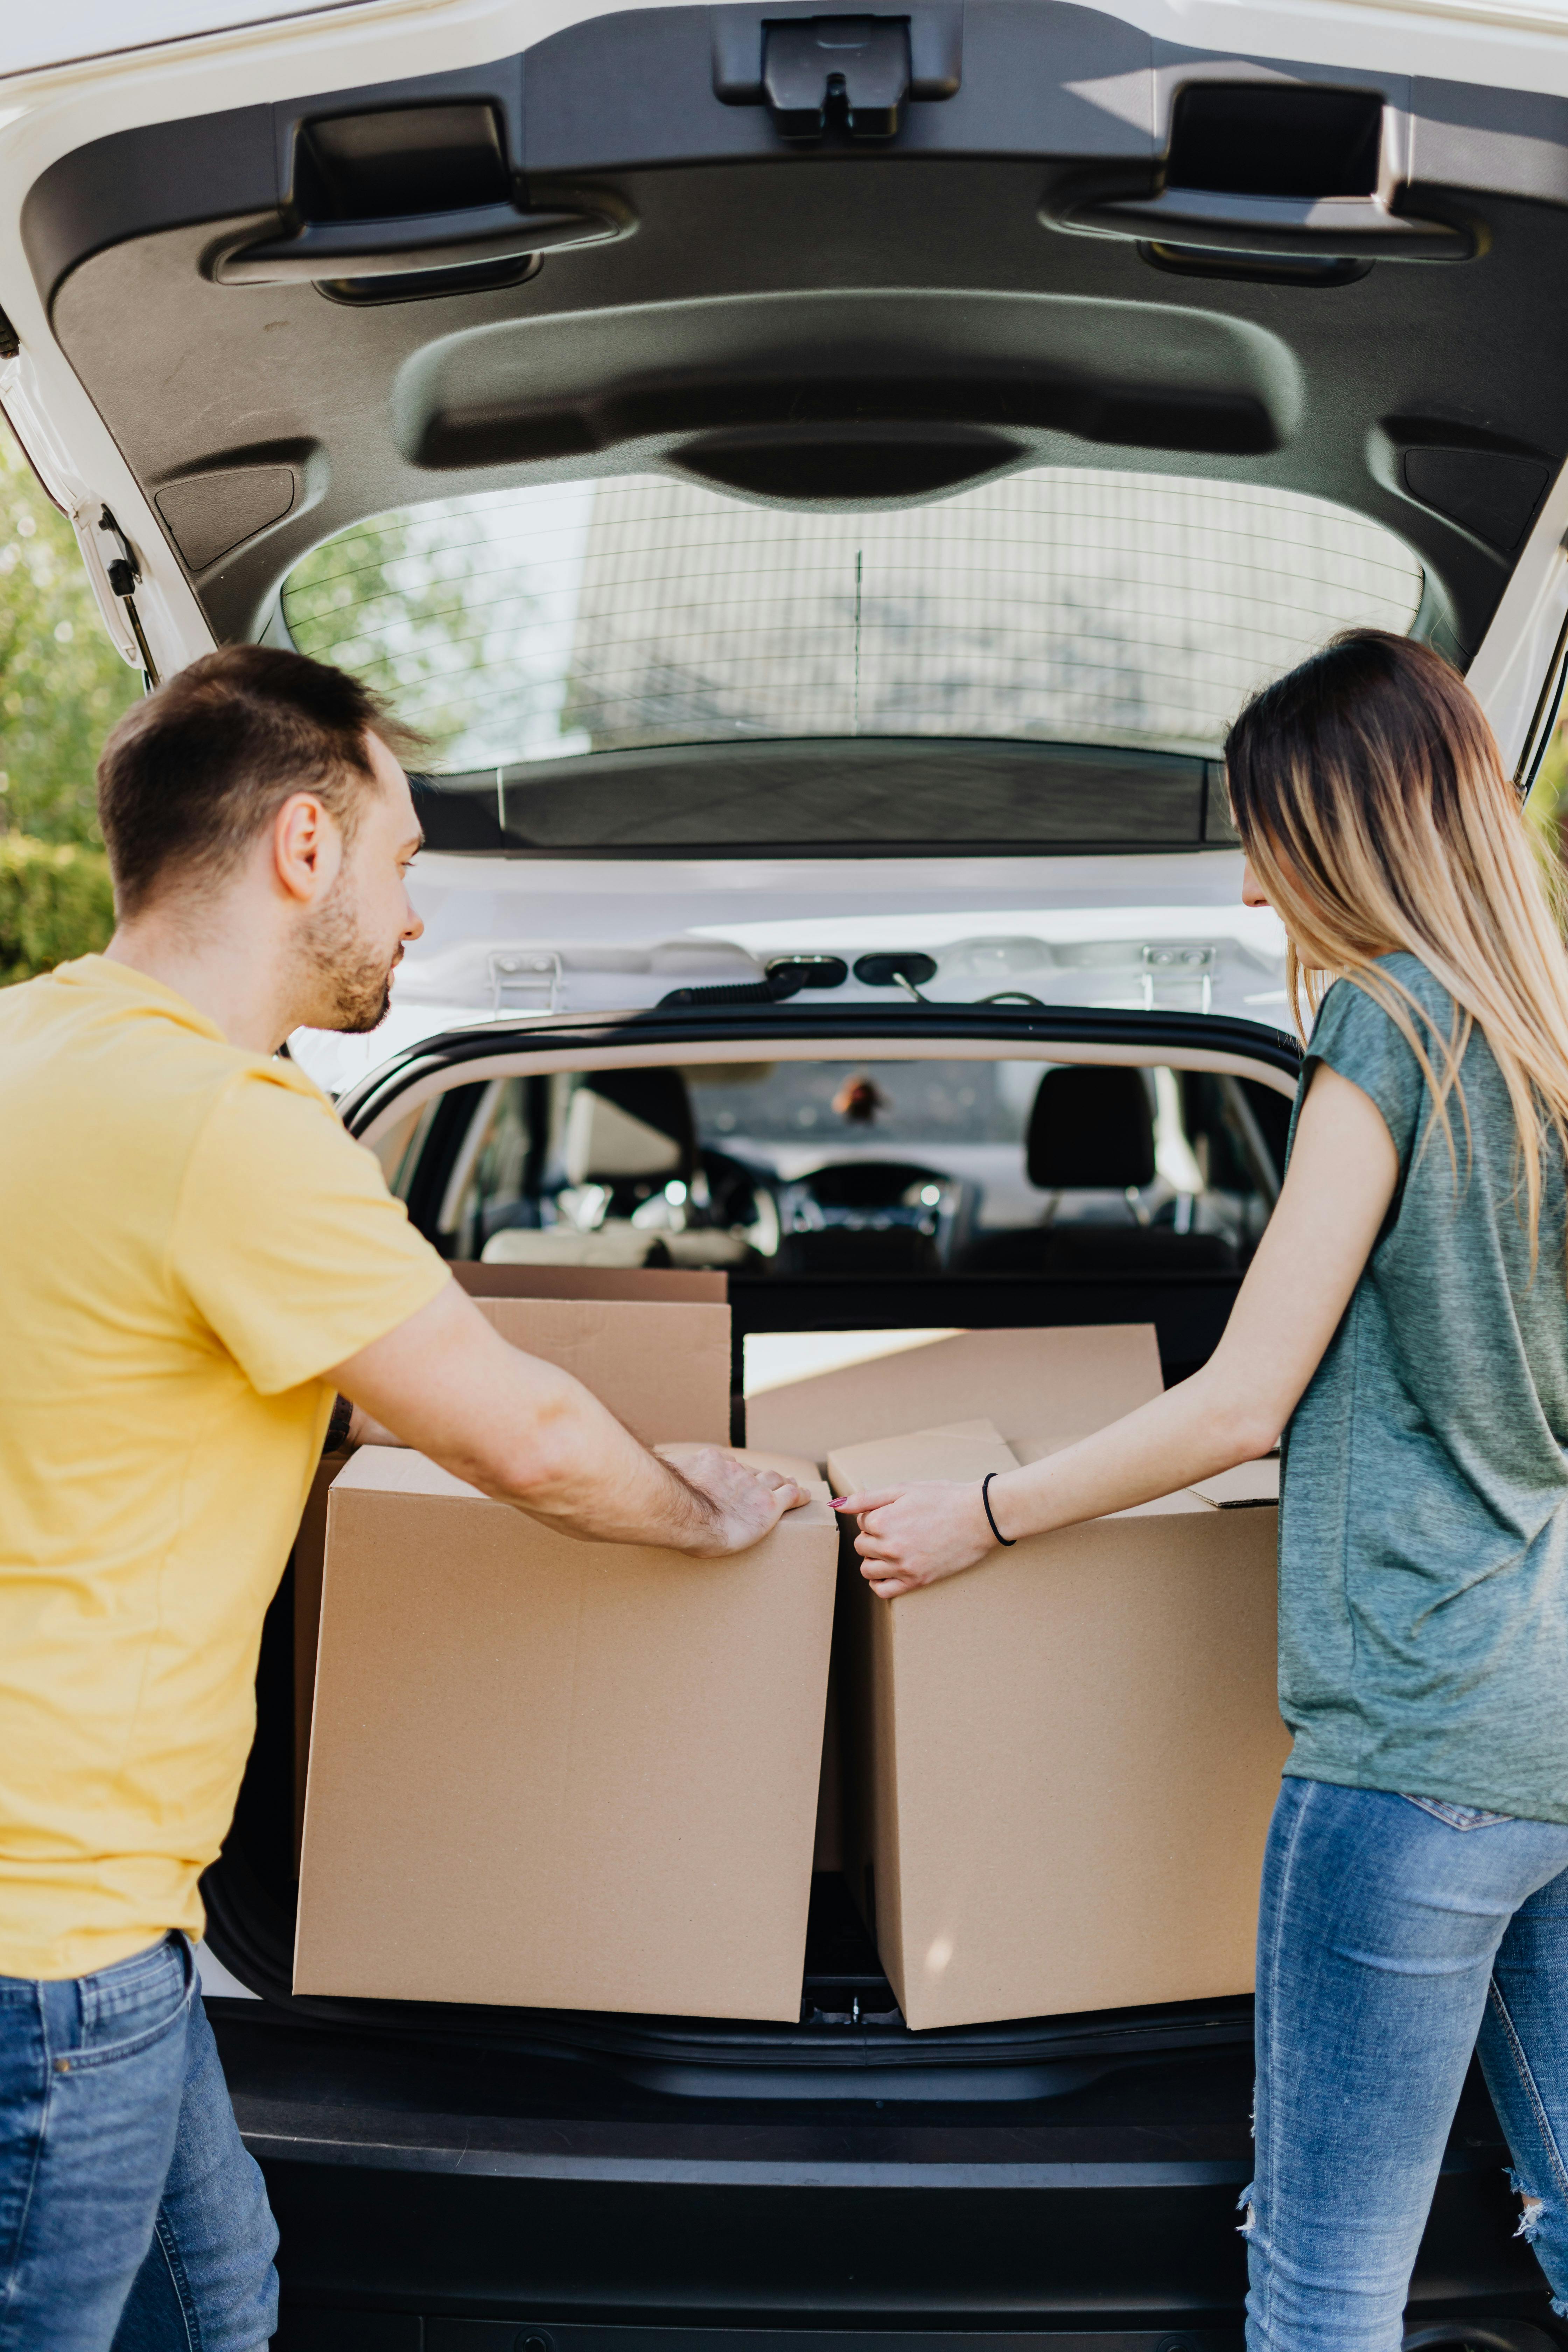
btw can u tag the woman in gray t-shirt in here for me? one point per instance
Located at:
(1405, 1324)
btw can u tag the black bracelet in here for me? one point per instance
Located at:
(338, 1426)
(985, 1504)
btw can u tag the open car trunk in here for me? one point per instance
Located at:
(819, 1268)
(1134, 2122)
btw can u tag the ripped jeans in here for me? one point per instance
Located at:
(1395, 1936)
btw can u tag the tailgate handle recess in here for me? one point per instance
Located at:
(1345, 228)
(382, 248)
(391, 191)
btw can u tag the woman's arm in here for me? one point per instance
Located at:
(1343, 1170)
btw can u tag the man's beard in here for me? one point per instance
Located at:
(354, 978)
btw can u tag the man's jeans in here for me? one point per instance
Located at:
(1396, 1935)
(131, 2215)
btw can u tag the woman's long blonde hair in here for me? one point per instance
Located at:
(1372, 802)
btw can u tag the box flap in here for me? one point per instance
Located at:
(790, 1466)
(661, 1286)
(781, 1360)
(399, 1470)
(965, 1449)
(1163, 1506)
(662, 1368)
(1061, 1382)
(1249, 1483)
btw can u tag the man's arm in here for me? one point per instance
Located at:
(527, 1433)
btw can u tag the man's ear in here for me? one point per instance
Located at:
(306, 848)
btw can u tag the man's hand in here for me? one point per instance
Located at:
(746, 1505)
(916, 1535)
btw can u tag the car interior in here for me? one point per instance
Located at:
(916, 1170)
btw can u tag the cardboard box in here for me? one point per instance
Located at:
(827, 1851)
(1062, 1762)
(663, 1285)
(559, 1774)
(663, 1370)
(309, 1550)
(1241, 1489)
(665, 1373)
(1067, 1382)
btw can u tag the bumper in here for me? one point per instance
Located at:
(441, 2199)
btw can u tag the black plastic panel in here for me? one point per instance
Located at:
(856, 796)
(623, 90)
(463, 2188)
(868, 307)
(1278, 142)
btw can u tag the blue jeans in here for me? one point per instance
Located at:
(1396, 1935)
(132, 2216)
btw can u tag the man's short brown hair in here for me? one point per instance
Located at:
(192, 775)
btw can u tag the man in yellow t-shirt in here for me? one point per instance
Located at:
(196, 1260)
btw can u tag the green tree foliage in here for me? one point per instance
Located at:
(391, 603)
(55, 903)
(62, 684)
(438, 608)
(1548, 803)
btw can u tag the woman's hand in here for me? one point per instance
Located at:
(916, 1535)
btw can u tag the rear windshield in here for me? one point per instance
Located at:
(629, 617)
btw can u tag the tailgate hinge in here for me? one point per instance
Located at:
(524, 981)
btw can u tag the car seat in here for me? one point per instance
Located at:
(1092, 1130)
(631, 1133)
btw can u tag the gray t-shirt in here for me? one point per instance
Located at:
(1423, 1520)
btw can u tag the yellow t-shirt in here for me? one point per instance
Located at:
(188, 1240)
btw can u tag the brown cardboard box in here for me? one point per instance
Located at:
(667, 1285)
(1239, 1489)
(559, 1774)
(1064, 1760)
(661, 1364)
(1068, 1381)
(663, 1370)
(310, 1549)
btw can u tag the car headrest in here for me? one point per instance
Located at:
(1091, 1129)
(630, 1123)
